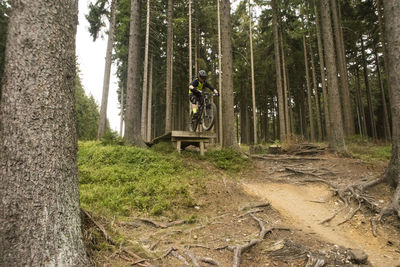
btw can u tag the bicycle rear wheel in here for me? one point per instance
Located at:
(193, 122)
(209, 115)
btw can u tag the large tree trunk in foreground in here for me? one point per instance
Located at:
(132, 117)
(392, 31)
(281, 110)
(336, 140)
(228, 139)
(39, 212)
(107, 72)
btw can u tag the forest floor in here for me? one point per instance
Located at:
(279, 207)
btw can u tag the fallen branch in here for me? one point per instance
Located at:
(180, 257)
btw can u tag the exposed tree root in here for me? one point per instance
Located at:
(239, 250)
(159, 225)
(100, 227)
(195, 259)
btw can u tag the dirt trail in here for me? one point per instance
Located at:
(306, 206)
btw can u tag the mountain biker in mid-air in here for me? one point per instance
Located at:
(195, 89)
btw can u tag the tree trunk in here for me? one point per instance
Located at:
(168, 90)
(229, 139)
(385, 110)
(220, 130)
(285, 89)
(383, 41)
(322, 69)
(319, 124)
(253, 86)
(143, 121)
(39, 213)
(132, 119)
(282, 127)
(107, 72)
(149, 105)
(392, 36)
(368, 90)
(309, 97)
(122, 112)
(345, 92)
(190, 44)
(336, 140)
(361, 105)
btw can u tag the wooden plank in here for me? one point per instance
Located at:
(178, 146)
(193, 134)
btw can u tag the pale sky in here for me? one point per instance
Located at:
(91, 59)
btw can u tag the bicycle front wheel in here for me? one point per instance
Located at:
(209, 115)
(193, 122)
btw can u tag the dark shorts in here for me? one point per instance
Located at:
(194, 98)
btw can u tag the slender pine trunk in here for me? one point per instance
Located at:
(309, 93)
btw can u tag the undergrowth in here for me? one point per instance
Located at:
(367, 150)
(228, 159)
(116, 180)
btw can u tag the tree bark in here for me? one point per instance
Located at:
(281, 111)
(392, 36)
(322, 69)
(168, 90)
(143, 121)
(228, 139)
(107, 72)
(40, 213)
(253, 86)
(368, 90)
(345, 92)
(319, 124)
(309, 97)
(336, 140)
(132, 119)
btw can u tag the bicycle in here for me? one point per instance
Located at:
(206, 114)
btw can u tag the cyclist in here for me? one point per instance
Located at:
(195, 89)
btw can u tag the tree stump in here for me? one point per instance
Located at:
(275, 149)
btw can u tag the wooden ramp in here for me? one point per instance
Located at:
(185, 138)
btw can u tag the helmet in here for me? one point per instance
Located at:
(202, 74)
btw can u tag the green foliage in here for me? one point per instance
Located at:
(112, 138)
(116, 180)
(95, 17)
(228, 159)
(87, 113)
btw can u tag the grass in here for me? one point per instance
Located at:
(117, 180)
(368, 151)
